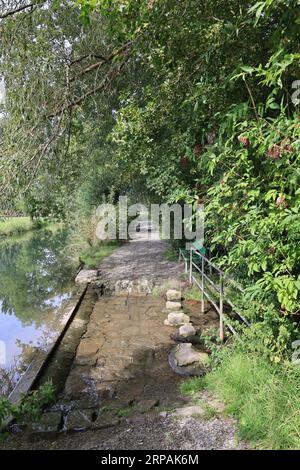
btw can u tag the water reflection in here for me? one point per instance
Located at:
(35, 279)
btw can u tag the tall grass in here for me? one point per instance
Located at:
(15, 225)
(84, 246)
(94, 255)
(265, 398)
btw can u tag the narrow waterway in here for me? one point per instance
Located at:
(36, 279)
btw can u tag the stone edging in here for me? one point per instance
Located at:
(35, 368)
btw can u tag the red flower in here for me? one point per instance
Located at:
(280, 201)
(198, 149)
(244, 141)
(184, 161)
(274, 152)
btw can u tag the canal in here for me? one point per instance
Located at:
(36, 280)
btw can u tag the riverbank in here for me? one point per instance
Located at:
(91, 258)
(36, 278)
(15, 225)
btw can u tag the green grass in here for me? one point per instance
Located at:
(193, 293)
(93, 256)
(263, 397)
(120, 412)
(171, 255)
(15, 225)
(193, 385)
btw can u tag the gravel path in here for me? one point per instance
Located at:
(141, 260)
(146, 432)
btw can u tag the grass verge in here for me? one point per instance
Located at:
(192, 292)
(263, 397)
(15, 225)
(171, 254)
(94, 255)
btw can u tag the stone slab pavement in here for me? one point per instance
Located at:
(120, 389)
(140, 261)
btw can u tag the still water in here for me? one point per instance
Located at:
(36, 279)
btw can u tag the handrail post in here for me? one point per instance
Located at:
(210, 267)
(202, 284)
(191, 264)
(221, 308)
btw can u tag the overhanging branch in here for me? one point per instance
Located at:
(18, 10)
(123, 50)
(106, 81)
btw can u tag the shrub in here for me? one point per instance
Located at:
(30, 407)
(15, 225)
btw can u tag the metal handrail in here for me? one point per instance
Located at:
(218, 288)
(212, 265)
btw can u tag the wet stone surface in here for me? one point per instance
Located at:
(185, 360)
(123, 349)
(49, 423)
(118, 391)
(78, 420)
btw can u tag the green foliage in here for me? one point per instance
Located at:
(262, 396)
(30, 407)
(194, 104)
(92, 258)
(255, 207)
(192, 293)
(192, 386)
(171, 255)
(15, 225)
(122, 412)
(271, 334)
(173, 101)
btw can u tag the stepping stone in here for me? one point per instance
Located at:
(173, 305)
(144, 406)
(85, 276)
(187, 330)
(173, 295)
(189, 412)
(195, 340)
(78, 420)
(177, 319)
(185, 360)
(49, 422)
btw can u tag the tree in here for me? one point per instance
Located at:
(180, 101)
